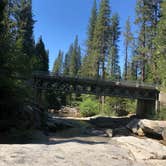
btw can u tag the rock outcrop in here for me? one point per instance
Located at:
(85, 151)
(151, 128)
(54, 124)
(143, 149)
(110, 122)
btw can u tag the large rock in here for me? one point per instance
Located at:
(143, 149)
(151, 128)
(30, 117)
(85, 151)
(109, 122)
(133, 125)
(54, 124)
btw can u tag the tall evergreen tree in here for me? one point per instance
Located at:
(66, 64)
(91, 28)
(101, 38)
(41, 54)
(75, 59)
(67, 61)
(160, 45)
(58, 64)
(25, 45)
(147, 18)
(3, 33)
(87, 68)
(113, 58)
(127, 43)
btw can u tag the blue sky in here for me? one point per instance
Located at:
(59, 21)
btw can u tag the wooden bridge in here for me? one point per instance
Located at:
(147, 95)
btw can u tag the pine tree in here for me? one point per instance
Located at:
(3, 34)
(67, 61)
(58, 64)
(66, 64)
(75, 59)
(25, 45)
(41, 54)
(101, 38)
(78, 64)
(127, 43)
(113, 58)
(87, 68)
(148, 13)
(91, 28)
(160, 45)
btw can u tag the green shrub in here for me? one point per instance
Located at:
(131, 106)
(161, 115)
(89, 107)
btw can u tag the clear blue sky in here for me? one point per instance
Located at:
(59, 21)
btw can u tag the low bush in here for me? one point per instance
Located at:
(89, 107)
(161, 115)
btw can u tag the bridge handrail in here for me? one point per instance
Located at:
(117, 81)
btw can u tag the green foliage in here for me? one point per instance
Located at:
(107, 109)
(91, 28)
(160, 44)
(41, 56)
(75, 58)
(87, 68)
(148, 15)
(66, 64)
(162, 114)
(57, 68)
(89, 107)
(101, 38)
(113, 106)
(131, 106)
(18, 56)
(127, 43)
(72, 63)
(113, 58)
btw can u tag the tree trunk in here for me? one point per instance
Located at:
(126, 61)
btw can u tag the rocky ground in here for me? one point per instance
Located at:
(85, 145)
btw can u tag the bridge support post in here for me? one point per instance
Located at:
(147, 108)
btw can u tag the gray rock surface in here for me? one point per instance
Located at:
(119, 151)
(151, 128)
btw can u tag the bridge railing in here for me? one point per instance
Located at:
(132, 83)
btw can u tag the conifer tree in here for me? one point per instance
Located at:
(25, 45)
(3, 33)
(66, 64)
(148, 13)
(91, 28)
(67, 61)
(75, 59)
(101, 38)
(160, 45)
(113, 58)
(127, 43)
(41, 54)
(87, 68)
(58, 64)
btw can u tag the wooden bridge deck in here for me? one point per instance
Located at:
(127, 89)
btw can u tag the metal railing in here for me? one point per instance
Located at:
(127, 83)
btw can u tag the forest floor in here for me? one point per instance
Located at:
(77, 147)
